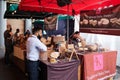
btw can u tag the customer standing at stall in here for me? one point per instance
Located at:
(16, 37)
(34, 48)
(8, 35)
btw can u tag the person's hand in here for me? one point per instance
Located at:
(11, 33)
(83, 43)
(81, 39)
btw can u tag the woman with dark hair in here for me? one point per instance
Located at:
(16, 39)
(27, 33)
(76, 38)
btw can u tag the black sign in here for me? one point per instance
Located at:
(105, 21)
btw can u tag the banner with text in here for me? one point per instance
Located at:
(101, 21)
(100, 66)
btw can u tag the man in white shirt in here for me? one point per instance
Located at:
(34, 48)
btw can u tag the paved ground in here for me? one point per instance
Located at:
(9, 72)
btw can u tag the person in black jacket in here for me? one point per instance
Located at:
(75, 38)
(8, 44)
(16, 39)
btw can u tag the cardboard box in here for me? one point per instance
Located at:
(57, 39)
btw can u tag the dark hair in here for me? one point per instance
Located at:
(10, 29)
(17, 30)
(8, 26)
(77, 32)
(35, 29)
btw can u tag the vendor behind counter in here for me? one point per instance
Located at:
(75, 38)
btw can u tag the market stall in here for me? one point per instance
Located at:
(62, 58)
(90, 60)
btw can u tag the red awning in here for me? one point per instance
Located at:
(76, 5)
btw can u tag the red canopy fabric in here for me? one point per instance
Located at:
(76, 5)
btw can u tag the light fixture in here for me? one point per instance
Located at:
(110, 6)
(105, 7)
(44, 32)
(99, 8)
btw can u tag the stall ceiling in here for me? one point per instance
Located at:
(27, 15)
(74, 7)
(13, 12)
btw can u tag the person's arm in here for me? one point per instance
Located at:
(83, 42)
(9, 35)
(81, 39)
(42, 47)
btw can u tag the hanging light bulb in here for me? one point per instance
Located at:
(110, 5)
(98, 11)
(105, 7)
(44, 32)
(15, 11)
(12, 13)
(99, 8)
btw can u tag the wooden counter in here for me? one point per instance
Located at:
(19, 58)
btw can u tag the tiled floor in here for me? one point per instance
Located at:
(13, 73)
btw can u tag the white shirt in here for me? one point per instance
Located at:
(34, 47)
